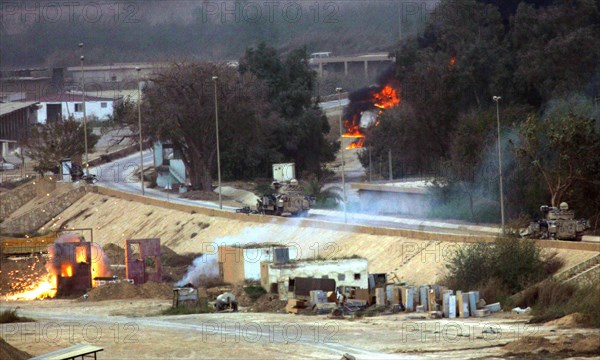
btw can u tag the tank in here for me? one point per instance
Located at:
(288, 198)
(558, 224)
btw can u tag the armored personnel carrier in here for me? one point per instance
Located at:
(286, 199)
(558, 224)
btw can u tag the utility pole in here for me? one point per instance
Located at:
(370, 166)
(215, 78)
(497, 100)
(140, 130)
(339, 91)
(390, 163)
(87, 166)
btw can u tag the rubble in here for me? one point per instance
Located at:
(521, 311)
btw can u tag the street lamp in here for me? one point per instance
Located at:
(497, 100)
(87, 168)
(339, 92)
(215, 78)
(140, 129)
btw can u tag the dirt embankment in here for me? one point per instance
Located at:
(124, 290)
(415, 261)
(562, 346)
(10, 352)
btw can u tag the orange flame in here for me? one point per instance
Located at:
(66, 270)
(452, 61)
(80, 254)
(45, 288)
(385, 98)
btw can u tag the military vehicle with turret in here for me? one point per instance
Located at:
(288, 198)
(557, 224)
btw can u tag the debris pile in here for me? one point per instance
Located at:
(125, 290)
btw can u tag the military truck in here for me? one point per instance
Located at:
(558, 224)
(286, 199)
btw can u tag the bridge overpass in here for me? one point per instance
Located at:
(369, 64)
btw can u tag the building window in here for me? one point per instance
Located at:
(341, 277)
(103, 105)
(113, 78)
(78, 107)
(356, 276)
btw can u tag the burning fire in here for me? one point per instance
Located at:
(59, 263)
(385, 98)
(452, 61)
(66, 270)
(45, 288)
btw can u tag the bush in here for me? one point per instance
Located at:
(187, 310)
(254, 292)
(10, 316)
(553, 300)
(510, 263)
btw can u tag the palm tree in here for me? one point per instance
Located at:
(324, 198)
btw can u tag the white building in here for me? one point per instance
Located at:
(351, 272)
(61, 106)
(243, 263)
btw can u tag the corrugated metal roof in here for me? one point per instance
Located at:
(70, 98)
(6, 108)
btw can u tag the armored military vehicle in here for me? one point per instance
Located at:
(286, 199)
(558, 224)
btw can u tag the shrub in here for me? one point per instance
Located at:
(187, 310)
(254, 292)
(510, 263)
(553, 299)
(10, 316)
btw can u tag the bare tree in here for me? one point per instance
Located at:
(179, 108)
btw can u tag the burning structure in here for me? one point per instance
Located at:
(72, 266)
(365, 107)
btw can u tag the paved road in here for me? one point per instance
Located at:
(119, 175)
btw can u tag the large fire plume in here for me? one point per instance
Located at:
(365, 107)
(61, 262)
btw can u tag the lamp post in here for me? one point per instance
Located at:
(140, 129)
(497, 100)
(339, 92)
(87, 168)
(215, 78)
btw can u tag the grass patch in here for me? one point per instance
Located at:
(553, 299)
(10, 316)
(371, 311)
(187, 310)
(254, 292)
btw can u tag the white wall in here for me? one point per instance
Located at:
(318, 269)
(93, 108)
(253, 257)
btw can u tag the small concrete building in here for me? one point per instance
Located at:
(59, 106)
(347, 272)
(16, 119)
(241, 263)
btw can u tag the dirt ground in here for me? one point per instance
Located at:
(132, 329)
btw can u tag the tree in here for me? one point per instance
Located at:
(563, 150)
(179, 108)
(299, 135)
(49, 143)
